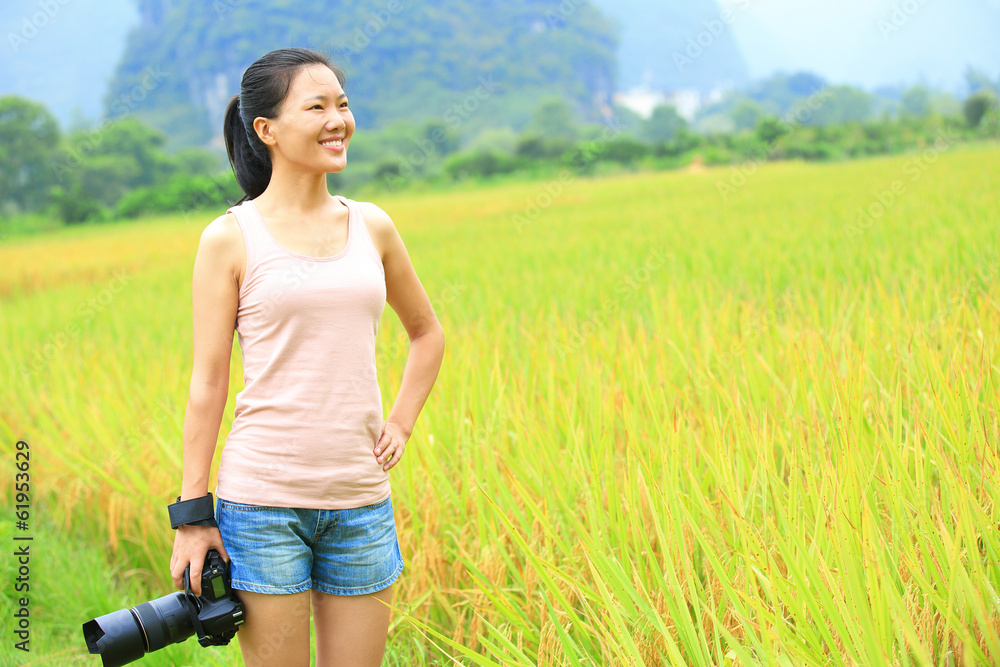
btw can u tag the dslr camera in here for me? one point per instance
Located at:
(128, 634)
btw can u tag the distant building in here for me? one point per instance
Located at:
(686, 102)
(642, 101)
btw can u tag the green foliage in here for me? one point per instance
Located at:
(976, 105)
(502, 139)
(121, 168)
(75, 206)
(841, 104)
(684, 141)
(624, 150)
(28, 137)
(662, 125)
(553, 118)
(536, 147)
(480, 163)
(915, 101)
(989, 126)
(747, 114)
(769, 130)
(182, 192)
(404, 60)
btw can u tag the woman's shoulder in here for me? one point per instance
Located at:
(223, 236)
(378, 221)
(371, 212)
(224, 227)
(379, 225)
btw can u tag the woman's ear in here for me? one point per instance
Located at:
(262, 126)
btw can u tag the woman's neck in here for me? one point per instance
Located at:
(295, 193)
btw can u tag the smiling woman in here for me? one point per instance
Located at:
(303, 512)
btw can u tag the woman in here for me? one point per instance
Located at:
(303, 508)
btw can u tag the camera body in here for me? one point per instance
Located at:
(127, 634)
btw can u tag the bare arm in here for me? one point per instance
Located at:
(406, 296)
(215, 297)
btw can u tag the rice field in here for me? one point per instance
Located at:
(676, 424)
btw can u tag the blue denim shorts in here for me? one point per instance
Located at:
(282, 550)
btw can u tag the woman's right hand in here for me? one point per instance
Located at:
(191, 544)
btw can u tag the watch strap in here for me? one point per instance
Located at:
(193, 512)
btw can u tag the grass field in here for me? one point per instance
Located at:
(676, 424)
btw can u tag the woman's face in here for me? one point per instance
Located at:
(314, 126)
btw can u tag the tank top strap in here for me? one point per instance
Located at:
(359, 231)
(253, 232)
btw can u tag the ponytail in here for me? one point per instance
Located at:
(262, 92)
(251, 164)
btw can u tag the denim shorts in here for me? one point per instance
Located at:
(282, 550)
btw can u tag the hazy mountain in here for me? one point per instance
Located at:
(65, 56)
(680, 44)
(482, 61)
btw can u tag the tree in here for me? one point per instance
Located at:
(553, 118)
(28, 137)
(746, 114)
(840, 104)
(976, 105)
(662, 125)
(915, 101)
(770, 129)
(978, 80)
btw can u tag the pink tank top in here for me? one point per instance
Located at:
(310, 414)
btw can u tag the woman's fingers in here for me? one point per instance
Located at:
(190, 548)
(389, 448)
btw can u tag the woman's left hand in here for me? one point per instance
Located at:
(389, 448)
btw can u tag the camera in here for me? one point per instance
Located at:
(127, 634)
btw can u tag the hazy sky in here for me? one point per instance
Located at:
(868, 42)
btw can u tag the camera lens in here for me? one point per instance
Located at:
(165, 621)
(126, 635)
(116, 636)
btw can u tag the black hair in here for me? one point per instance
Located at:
(262, 92)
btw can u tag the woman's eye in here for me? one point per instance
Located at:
(315, 106)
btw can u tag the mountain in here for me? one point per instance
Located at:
(674, 45)
(65, 54)
(479, 62)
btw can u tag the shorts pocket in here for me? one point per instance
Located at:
(378, 505)
(240, 507)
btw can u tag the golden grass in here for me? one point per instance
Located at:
(671, 428)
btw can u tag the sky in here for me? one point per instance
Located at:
(870, 42)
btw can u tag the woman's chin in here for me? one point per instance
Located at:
(338, 166)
